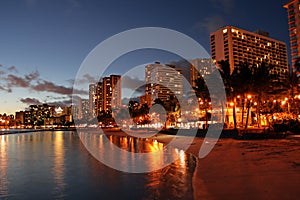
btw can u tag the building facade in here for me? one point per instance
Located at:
(92, 92)
(163, 81)
(199, 68)
(98, 105)
(107, 94)
(237, 45)
(293, 9)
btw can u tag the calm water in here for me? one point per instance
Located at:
(56, 165)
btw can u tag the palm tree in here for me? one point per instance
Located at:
(262, 82)
(202, 93)
(290, 86)
(241, 82)
(224, 69)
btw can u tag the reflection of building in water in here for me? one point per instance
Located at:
(163, 81)
(3, 166)
(179, 172)
(58, 169)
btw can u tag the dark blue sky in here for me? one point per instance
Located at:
(48, 40)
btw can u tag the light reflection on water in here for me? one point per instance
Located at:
(58, 169)
(128, 154)
(3, 168)
(56, 165)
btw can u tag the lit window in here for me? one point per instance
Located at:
(224, 30)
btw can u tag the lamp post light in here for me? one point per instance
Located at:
(249, 98)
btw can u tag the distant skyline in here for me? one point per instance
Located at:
(43, 43)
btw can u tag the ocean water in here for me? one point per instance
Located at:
(56, 165)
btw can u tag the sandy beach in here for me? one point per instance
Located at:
(247, 169)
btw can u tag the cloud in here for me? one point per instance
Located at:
(70, 81)
(12, 69)
(133, 84)
(63, 103)
(86, 78)
(34, 101)
(210, 24)
(89, 78)
(32, 81)
(5, 89)
(15, 81)
(225, 5)
(216, 21)
(32, 76)
(56, 97)
(47, 86)
(30, 101)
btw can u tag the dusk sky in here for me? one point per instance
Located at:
(43, 42)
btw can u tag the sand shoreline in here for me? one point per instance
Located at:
(245, 169)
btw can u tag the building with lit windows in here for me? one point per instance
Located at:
(112, 90)
(98, 98)
(199, 68)
(237, 45)
(107, 94)
(92, 92)
(163, 81)
(85, 108)
(293, 9)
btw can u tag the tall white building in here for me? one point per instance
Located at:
(163, 81)
(237, 45)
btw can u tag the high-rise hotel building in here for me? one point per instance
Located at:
(163, 81)
(199, 68)
(106, 94)
(237, 45)
(293, 9)
(92, 92)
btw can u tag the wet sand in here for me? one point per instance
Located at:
(247, 169)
